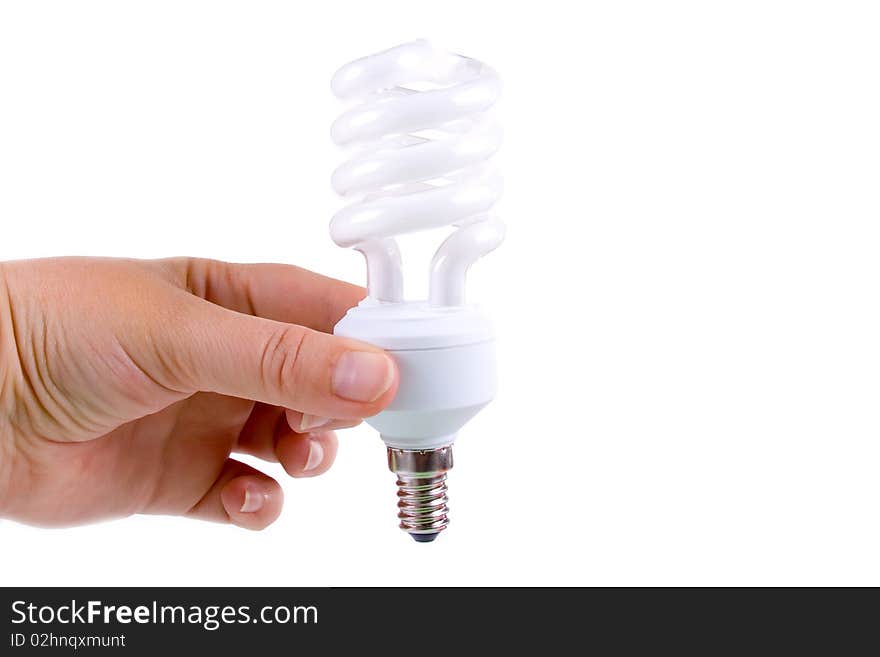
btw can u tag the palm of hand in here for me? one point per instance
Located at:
(163, 463)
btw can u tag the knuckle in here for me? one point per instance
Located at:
(281, 360)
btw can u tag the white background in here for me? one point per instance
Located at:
(687, 300)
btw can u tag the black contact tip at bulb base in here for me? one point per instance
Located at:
(424, 538)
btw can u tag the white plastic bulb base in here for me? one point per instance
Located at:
(446, 359)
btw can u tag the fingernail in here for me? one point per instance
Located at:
(253, 500)
(315, 457)
(362, 376)
(312, 422)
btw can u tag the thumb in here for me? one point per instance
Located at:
(210, 348)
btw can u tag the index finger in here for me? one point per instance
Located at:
(284, 293)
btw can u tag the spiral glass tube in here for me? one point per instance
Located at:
(420, 159)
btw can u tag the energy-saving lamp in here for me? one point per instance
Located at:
(420, 136)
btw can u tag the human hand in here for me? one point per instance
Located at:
(125, 385)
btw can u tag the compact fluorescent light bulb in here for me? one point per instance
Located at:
(421, 135)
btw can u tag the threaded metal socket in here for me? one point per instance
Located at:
(421, 490)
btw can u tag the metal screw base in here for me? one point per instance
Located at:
(421, 490)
